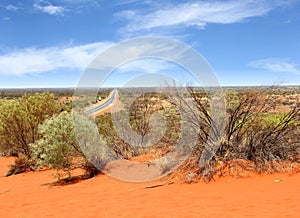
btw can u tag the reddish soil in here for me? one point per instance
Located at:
(30, 195)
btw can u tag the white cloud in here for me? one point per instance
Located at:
(276, 65)
(79, 1)
(146, 65)
(11, 7)
(141, 47)
(198, 13)
(126, 2)
(48, 8)
(33, 60)
(80, 5)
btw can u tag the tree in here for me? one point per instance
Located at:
(19, 120)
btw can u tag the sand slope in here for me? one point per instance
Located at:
(29, 195)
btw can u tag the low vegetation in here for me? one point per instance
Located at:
(251, 134)
(58, 148)
(19, 120)
(261, 133)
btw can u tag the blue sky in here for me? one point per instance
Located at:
(247, 42)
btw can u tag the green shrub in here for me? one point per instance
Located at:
(55, 149)
(20, 118)
(58, 147)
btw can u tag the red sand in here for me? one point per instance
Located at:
(29, 195)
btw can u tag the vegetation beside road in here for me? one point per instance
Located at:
(261, 133)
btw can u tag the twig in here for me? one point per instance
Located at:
(159, 185)
(8, 190)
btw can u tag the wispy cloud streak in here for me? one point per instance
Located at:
(197, 13)
(276, 65)
(33, 60)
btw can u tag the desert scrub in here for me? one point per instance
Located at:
(109, 136)
(20, 118)
(58, 147)
(273, 120)
(251, 133)
(21, 164)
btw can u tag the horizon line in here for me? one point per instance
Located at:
(118, 87)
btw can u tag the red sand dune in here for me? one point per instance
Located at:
(29, 195)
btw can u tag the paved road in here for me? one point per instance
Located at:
(104, 105)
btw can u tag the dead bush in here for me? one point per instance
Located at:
(251, 133)
(22, 164)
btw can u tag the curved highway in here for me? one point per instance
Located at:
(107, 103)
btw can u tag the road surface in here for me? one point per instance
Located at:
(103, 106)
